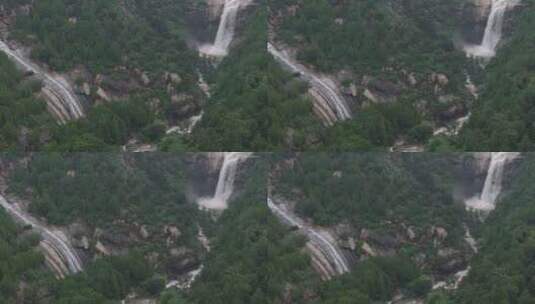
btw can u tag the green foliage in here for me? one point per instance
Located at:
(366, 188)
(108, 278)
(23, 118)
(154, 285)
(504, 271)
(249, 110)
(19, 259)
(107, 126)
(372, 34)
(98, 188)
(133, 33)
(254, 255)
(172, 297)
(373, 280)
(503, 119)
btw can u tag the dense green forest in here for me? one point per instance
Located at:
(365, 188)
(245, 111)
(19, 258)
(411, 34)
(504, 270)
(100, 187)
(254, 258)
(125, 38)
(108, 126)
(133, 33)
(503, 119)
(383, 43)
(24, 121)
(376, 197)
(24, 279)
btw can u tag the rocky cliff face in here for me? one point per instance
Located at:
(474, 16)
(474, 20)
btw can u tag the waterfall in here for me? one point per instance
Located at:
(53, 243)
(190, 124)
(55, 85)
(493, 30)
(493, 182)
(322, 89)
(225, 181)
(225, 31)
(317, 238)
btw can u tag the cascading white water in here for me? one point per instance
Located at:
(51, 240)
(225, 182)
(493, 30)
(329, 250)
(225, 31)
(334, 100)
(493, 182)
(57, 86)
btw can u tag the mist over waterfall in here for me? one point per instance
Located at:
(63, 102)
(332, 106)
(225, 181)
(59, 253)
(320, 243)
(492, 188)
(226, 29)
(493, 30)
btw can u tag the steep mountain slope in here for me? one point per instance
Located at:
(503, 117)
(412, 69)
(400, 222)
(133, 65)
(24, 121)
(503, 271)
(392, 60)
(133, 219)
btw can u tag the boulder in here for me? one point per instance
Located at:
(451, 265)
(103, 95)
(145, 79)
(368, 249)
(182, 106)
(175, 78)
(82, 243)
(349, 243)
(439, 79)
(411, 234)
(337, 174)
(100, 248)
(442, 80)
(384, 240)
(181, 261)
(370, 96)
(143, 232)
(86, 89)
(385, 87)
(412, 79)
(441, 233)
(174, 231)
(353, 90)
(115, 238)
(99, 78)
(85, 242)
